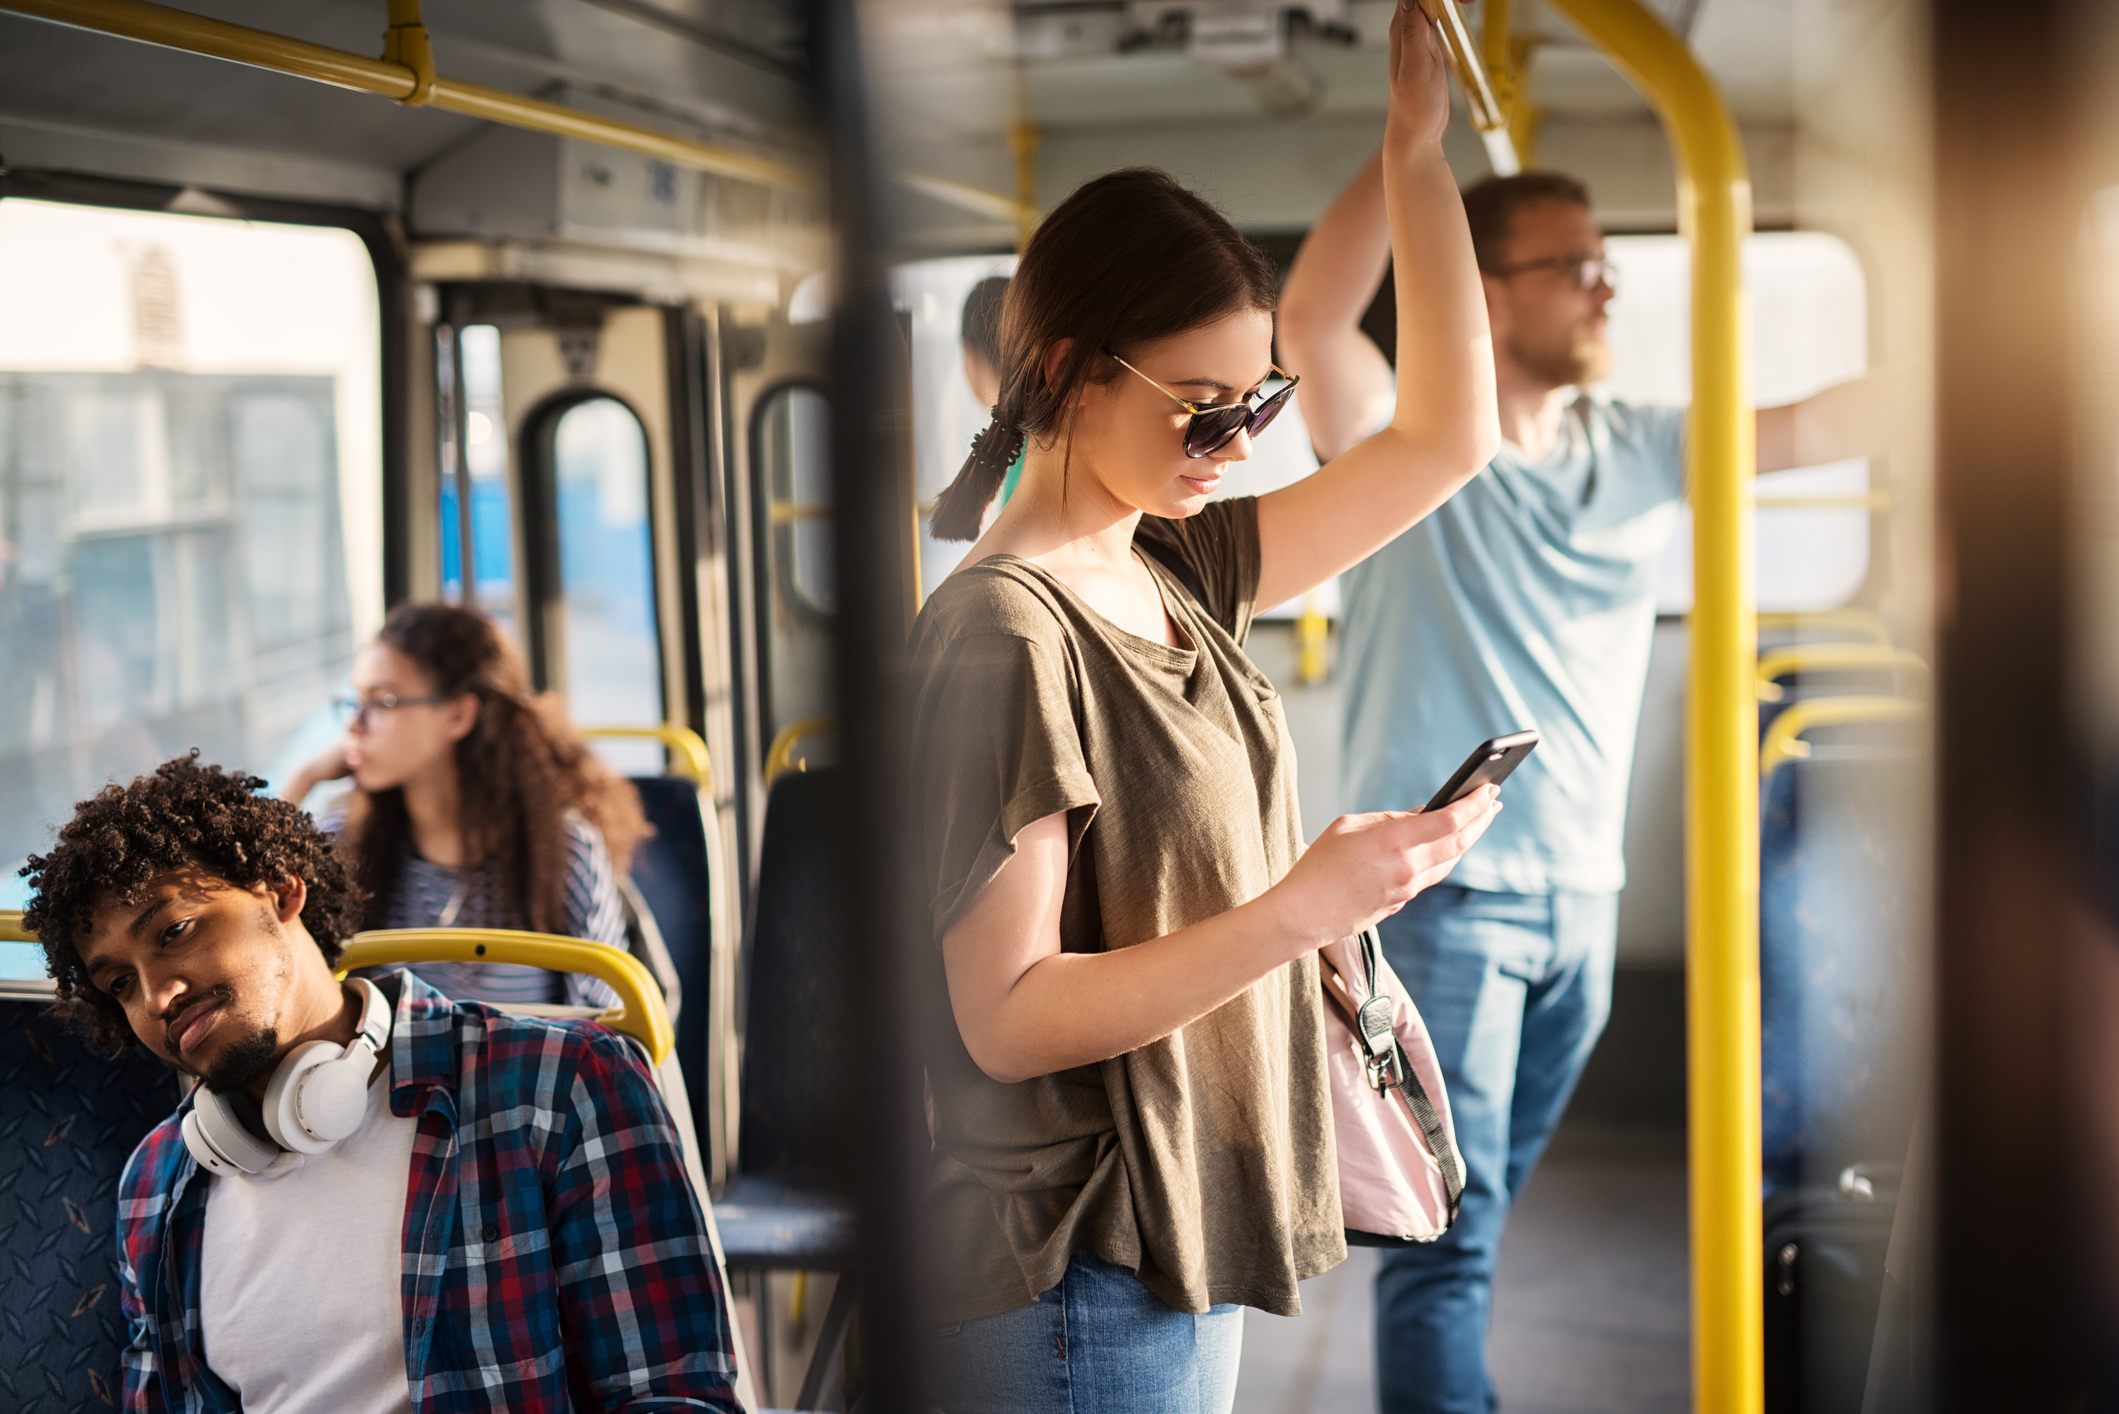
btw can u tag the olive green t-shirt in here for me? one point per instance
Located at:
(1204, 1161)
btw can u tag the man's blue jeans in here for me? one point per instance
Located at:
(1514, 989)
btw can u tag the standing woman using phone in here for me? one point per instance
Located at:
(1132, 1124)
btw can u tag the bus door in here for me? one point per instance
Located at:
(779, 482)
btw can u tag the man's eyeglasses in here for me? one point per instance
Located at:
(1589, 271)
(354, 711)
(1215, 425)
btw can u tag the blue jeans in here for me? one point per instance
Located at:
(1097, 1341)
(1515, 989)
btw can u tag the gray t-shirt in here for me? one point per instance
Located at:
(1527, 600)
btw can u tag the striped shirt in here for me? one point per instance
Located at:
(423, 894)
(555, 1254)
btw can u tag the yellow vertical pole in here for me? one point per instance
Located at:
(1721, 776)
(1023, 138)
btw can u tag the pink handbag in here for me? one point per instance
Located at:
(1400, 1175)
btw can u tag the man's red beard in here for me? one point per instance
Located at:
(1583, 358)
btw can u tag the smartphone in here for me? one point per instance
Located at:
(1488, 765)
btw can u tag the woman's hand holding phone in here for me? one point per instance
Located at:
(1364, 868)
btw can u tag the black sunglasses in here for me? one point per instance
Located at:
(1215, 425)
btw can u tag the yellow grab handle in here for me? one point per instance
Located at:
(1463, 55)
(1784, 738)
(1830, 657)
(11, 927)
(688, 754)
(639, 1014)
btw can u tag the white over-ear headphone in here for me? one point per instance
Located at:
(317, 1097)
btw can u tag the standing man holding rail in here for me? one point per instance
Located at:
(1528, 600)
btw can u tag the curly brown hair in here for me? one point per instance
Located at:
(184, 815)
(520, 769)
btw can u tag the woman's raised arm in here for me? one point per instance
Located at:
(1444, 428)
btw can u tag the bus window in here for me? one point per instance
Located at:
(790, 437)
(485, 458)
(190, 497)
(610, 658)
(1809, 318)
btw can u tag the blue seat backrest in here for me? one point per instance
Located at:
(1838, 978)
(669, 869)
(794, 1061)
(69, 1119)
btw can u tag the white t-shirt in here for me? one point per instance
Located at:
(301, 1270)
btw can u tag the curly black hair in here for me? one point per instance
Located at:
(185, 814)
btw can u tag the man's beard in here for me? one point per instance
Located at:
(1581, 357)
(242, 1062)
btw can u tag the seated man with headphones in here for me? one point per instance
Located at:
(376, 1199)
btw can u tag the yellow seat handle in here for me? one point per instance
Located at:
(1830, 657)
(11, 929)
(780, 756)
(688, 753)
(1784, 737)
(1860, 622)
(640, 1013)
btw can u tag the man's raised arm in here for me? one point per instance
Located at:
(1346, 382)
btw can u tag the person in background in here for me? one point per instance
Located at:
(1526, 601)
(980, 334)
(375, 1199)
(475, 803)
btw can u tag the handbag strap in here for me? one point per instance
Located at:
(1391, 1071)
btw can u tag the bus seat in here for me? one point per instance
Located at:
(1837, 882)
(643, 939)
(676, 887)
(779, 1212)
(640, 1017)
(69, 1119)
(669, 871)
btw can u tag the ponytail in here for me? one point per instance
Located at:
(961, 509)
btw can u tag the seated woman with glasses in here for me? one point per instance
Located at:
(475, 803)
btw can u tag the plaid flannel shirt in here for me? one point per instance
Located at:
(555, 1255)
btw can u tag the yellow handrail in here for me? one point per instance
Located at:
(1479, 102)
(1721, 846)
(1784, 737)
(1856, 621)
(639, 1013)
(414, 82)
(1831, 658)
(688, 754)
(780, 756)
(11, 930)
(197, 34)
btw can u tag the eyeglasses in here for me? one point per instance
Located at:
(353, 711)
(1215, 425)
(1589, 271)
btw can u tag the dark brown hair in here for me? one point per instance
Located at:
(1129, 258)
(183, 816)
(520, 769)
(980, 328)
(1490, 208)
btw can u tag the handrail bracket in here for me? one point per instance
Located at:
(406, 42)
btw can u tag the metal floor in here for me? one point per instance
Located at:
(1590, 1310)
